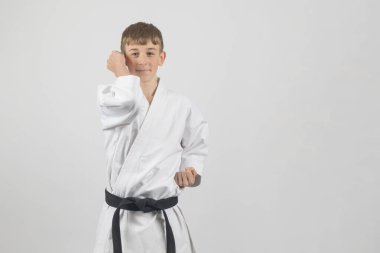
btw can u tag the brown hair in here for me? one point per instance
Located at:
(140, 33)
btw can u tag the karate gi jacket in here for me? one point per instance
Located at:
(145, 146)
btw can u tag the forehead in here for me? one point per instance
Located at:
(134, 46)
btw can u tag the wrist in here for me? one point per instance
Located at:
(121, 72)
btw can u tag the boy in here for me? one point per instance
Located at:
(156, 144)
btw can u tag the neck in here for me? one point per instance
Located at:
(149, 88)
(150, 84)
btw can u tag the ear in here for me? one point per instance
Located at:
(162, 58)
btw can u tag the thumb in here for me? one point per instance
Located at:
(192, 170)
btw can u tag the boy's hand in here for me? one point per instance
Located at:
(185, 178)
(116, 64)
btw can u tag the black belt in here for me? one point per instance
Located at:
(145, 205)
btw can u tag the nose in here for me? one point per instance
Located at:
(142, 60)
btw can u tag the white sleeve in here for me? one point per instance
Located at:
(118, 103)
(195, 142)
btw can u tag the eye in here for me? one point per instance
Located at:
(134, 54)
(150, 53)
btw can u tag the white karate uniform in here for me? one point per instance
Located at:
(145, 146)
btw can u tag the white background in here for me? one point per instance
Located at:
(290, 90)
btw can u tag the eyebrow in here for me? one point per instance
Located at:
(151, 48)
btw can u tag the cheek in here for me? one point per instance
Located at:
(130, 67)
(130, 64)
(156, 63)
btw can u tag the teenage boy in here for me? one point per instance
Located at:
(156, 143)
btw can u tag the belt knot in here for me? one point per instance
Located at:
(140, 204)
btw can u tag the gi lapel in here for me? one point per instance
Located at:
(141, 142)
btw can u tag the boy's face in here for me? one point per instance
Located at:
(143, 60)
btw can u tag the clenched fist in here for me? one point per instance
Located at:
(186, 177)
(117, 65)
